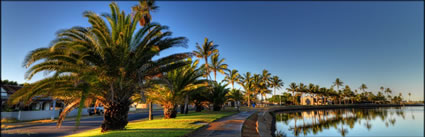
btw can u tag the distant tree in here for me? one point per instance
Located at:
(217, 65)
(232, 77)
(7, 82)
(363, 87)
(247, 84)
(293, 87)
(276, 83)
(409, 95)
(338, 83)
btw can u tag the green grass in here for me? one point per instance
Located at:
(159, 127)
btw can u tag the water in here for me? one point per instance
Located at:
(394, 121)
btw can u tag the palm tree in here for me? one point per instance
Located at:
(409, 95)
(176, 85)
(218, 95)
(266, 79)
(276, 83)
(338, 83)
(293, 87)
(310, 90)
(363, 87)
(382, 88)
(232, 77)
(236, 96)
(388, 91)
(302, 89)
(265, 83)
(144, 8)
(257, 85)
(111, 60)
(247, 84)
(217, 65)
(204, 52)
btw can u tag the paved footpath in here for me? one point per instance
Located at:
(227, 127)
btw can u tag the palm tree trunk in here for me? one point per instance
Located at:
(206, 66)
(150, 111)
(115, 116)
(215, 75)
(237, 105)
(186, 104)
(170, 111)
(249, 101)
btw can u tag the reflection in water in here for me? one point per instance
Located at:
(341, 120)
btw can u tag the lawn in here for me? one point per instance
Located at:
(159, 127)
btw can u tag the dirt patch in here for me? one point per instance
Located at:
(249, 128)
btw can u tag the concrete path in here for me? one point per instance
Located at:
(227, 127)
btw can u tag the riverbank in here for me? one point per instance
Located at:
(266, 119)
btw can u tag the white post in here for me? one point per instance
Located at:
(53, 110)
(19, 115)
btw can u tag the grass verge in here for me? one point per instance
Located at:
(159, 127)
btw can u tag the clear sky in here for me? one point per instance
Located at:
(376, 43)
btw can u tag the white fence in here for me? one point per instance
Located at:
(35, 115)
(42, 114)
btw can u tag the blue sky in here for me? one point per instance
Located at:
(376, 43)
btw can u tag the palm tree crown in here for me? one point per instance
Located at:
(144, 8)
(338, 83)
(217, 65)
(108, 63)
(206, 50)
(232, 77)
(276, 83)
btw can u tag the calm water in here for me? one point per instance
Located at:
(394, 121)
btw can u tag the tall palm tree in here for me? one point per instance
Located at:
(388, 91)
(115, 57)
(217, 65)
(277, 83)
(257, 85)
(266, 82)
(232, 77)
(247, 84)
(338, 83)
(175, 86)
(144, 9)
(204, 52)
(310, 89)
(409, 95)
(363, 87)
(293, 87)
(382, 88)
(302, 89)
